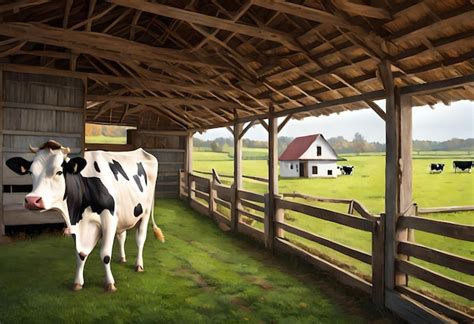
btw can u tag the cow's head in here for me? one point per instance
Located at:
(48, 170)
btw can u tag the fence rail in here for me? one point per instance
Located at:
(235, 210)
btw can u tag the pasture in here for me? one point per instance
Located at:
(367, 186)
(200, 275)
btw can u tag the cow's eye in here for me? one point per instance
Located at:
(59, 173)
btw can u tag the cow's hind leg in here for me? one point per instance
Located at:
(121, 237)
(141, 237)
(109, 228)
(79, 279)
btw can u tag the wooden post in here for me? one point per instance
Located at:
(398, 171)
(2, 222)
(212, 196)
(270, 210)
(188, 165)
(378, 279)
(237, 176)
(350, 210)
(191, 188)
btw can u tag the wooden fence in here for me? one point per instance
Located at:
(227, 207)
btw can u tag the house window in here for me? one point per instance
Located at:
(329, 172)
(315, 169)
(291, 166)
(296, 167)
(318, 148)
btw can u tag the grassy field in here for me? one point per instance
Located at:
(200, 275)
(367, 186)
(106, 139)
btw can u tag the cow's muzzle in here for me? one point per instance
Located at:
(34, 203)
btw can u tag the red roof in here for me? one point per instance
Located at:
(297, 147)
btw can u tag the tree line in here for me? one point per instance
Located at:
(341, 145)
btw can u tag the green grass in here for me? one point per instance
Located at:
(367, 186)
(200, 275)
(101, 139)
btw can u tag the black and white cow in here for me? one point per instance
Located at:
(100, 196)
(346, 169)
(436, 167)
(464, 166)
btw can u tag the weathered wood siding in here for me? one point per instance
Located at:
(36, 108)
(170, 150)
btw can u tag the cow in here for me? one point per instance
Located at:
(462, 165)
(99, 196)
(346, 169)
(436, 167)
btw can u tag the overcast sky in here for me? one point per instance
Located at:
(439, 124)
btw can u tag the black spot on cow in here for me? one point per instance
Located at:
(139, 184)
(84, 192)
(82, 256)
(74, 237)
(116, 168)
(141, 171)
(96, 166)
(138, 210)
(106, 259)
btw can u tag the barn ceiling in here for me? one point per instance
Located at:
(203, 63)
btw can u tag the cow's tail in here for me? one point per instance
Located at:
(156, 230)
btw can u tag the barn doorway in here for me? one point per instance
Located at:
(302, 168)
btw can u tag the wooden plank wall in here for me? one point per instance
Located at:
(170, 150)
(34, 109)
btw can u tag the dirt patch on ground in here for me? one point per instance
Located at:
(241, 303)
(259, 281)
(5, 240)
(196, 277)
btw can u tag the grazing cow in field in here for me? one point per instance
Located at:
(346, 169)
(437, 167)
(462, 165)
(100, 196)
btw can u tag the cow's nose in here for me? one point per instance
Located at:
(34, 202)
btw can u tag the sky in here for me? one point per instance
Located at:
(437, 124)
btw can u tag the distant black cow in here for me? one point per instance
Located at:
(346, 169)
(437, 167)
(462, 165)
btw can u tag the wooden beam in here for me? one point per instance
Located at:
(101, 45)
(236, 205)
(357, 9)
(284, 122)
(18, 5)
(379, 111)
(436, 86)
(251, 123)
(210, 21)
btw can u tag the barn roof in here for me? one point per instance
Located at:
(298, 146)
(176, 64)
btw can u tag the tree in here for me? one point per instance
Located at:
(359, 143)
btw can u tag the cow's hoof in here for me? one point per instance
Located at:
(76, 287)
(122, 260)
(110, 288)
(138, 268)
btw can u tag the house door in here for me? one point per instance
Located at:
(301, 169)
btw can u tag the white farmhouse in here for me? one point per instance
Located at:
(309, 156)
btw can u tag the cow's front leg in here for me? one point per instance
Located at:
(141, 237)
(121, 237)
(109, 228)
(79, 279)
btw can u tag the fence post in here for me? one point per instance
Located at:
(272, 215)
(234, 208)
(351, 208)
(191, 188)
(378, 259)
(181, 184)
(267, 222)
(212, 197)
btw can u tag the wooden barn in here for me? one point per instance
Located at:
(173, 68)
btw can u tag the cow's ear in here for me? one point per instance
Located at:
(75, 165)
(19, 165)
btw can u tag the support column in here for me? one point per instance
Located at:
(398, 173)
(2, 222)
(238, 127)
(271, 215)
(188, 163)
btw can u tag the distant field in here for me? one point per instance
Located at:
(367, 186)
(106, 139)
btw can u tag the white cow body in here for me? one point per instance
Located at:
(101, 195)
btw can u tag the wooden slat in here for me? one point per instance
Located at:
(250, 215)
(253, 232)
(344, 249)
(200, 208)
(457, 231)
(436, 305)
(442, 258)
(201, 195)
(332, 216)
(223, 192)
(223, 202)
(454, 286)
(252, 205)
(449, 209)
(243, 194)
(220, 218)
(342, 275)
(435, 86)
(41, 107)
(21, 216)
(32, 133)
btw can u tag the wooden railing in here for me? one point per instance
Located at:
(217, 201)
(221, 203)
